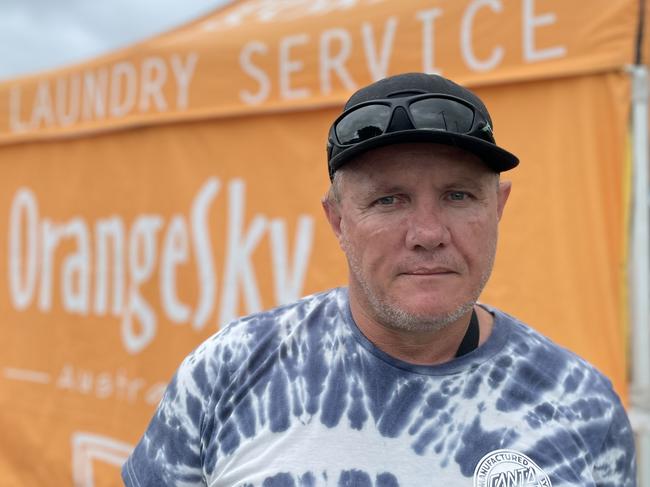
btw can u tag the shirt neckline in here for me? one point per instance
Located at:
(495, 343)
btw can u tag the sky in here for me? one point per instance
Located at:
(37, 35)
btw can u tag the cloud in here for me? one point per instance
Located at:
(38, 35)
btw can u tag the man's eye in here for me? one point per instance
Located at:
(386, 200)
(457, 195)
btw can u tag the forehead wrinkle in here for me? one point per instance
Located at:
(386, 187)
(464, 181)
(365, 186)
(371, 185)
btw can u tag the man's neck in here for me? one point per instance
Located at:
(420, 347)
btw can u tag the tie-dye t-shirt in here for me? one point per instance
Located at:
(298, 397)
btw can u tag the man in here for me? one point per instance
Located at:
(401, 379)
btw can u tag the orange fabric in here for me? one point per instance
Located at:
(132, 231)
(265, 55)
(562, 253)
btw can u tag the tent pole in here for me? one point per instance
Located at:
(639, 273)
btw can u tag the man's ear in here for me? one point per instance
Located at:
(333, 215)
(502, 196)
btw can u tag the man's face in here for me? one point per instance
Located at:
(418, 225)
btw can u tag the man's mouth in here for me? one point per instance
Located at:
(428, 271)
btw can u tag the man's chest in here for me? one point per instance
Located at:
(310, 454)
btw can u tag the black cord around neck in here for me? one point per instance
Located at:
(470, 340)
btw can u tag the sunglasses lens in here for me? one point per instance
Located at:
(362, 124)
(442, 114)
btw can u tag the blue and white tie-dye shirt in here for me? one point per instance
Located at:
(298, 397)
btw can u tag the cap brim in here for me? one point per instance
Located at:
(493, 156)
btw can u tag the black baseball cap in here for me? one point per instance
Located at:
(415, 107)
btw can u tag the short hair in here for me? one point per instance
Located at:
(334, 192)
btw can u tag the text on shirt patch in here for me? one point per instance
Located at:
(509, 468)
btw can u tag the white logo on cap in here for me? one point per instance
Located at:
(509, 468)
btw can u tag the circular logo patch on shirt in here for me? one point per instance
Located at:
(509, 468)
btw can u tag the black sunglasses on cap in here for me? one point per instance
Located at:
(427, 111)
(411, 108)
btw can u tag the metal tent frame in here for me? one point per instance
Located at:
(639, 273)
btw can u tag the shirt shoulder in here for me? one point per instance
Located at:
(539, 353)
(251, 342)
(558, 398)
(259, 331)
(237, 359)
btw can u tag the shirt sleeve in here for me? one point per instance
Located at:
(616, 462)
(169, 453)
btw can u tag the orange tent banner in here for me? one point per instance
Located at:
(150, 196)
(269, 55)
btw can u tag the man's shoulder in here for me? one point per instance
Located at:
(322, 306)
(558, 391)
(540, 353)
(262, 329)
(248, 343)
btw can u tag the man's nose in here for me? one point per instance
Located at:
(427, 228)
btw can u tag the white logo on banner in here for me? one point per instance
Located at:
(107, 262)
(509, 468)
(88, 447)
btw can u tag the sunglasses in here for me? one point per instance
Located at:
(427, 111)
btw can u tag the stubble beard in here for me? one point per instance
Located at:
(391, 315)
